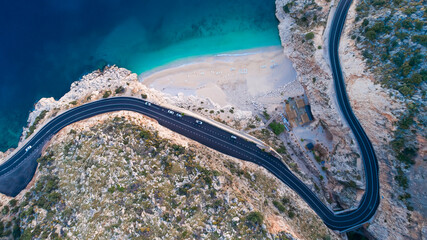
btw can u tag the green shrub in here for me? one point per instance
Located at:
(106, 94)
(112, 189)
(419, 25)
(415, 79)
(401, 179)
(54, 197)
(285, 201)
(16, 231)
(254, 219)
(178, 149)
(13, 202)
(286, 8)
(45, 160)
(365, 22)
(184, 189)
(406, 121)
(409, 11)
(407, 155)
(350, 184)
(36, 121)
(398, 59)
(309, 36)
(120, 90)
(120, 188)
(378, 3)
(281, 149)
(145, 134)
(379, 27)
(371, 35)
(404, 197)
(407, 90)
(407, 23)
(5, 210)
(421, 39)
(279, 206)
(276, 127)
(266, 115)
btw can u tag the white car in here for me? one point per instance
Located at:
(148, 103)
(178, 114)
(233, 137)
(171, 112)
(28, 148)
(199, 122)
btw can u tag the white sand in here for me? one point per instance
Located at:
(237, 78)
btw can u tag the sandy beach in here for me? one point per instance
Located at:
(239, 78)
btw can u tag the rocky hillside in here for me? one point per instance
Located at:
(402, 142)
(301, 28)
(381, 110)
(390, 35)
(121, 175)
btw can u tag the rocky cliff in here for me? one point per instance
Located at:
(302, 30)
(121, 175)
(373, 104)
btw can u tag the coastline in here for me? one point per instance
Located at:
(139, 37)
(180, 62)
(232, 78)
(222, 92)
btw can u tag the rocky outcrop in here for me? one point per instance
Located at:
(308, 56)
(114, 149)
(105, 82)
(122, 175)
(373, 105)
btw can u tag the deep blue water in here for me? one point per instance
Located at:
(45, 45)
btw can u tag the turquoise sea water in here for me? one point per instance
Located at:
(46, 45)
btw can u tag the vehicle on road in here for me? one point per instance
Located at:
(233, 137)
(148, 103)
(342, 222)
(28, 148)
(179, 115)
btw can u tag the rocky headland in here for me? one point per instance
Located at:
(122, 175)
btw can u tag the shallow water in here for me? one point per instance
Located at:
(48, 44)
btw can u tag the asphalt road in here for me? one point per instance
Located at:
(17, 172)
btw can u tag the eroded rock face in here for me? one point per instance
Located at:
(104, 83)
(372, 104)
(3, 155)
(314, 74)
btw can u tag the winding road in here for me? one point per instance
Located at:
(17, 172)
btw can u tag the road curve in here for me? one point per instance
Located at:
(17, 172)
(371, 198)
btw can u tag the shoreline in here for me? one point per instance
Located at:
(187, 61)
(196, 59)
(232, 78)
